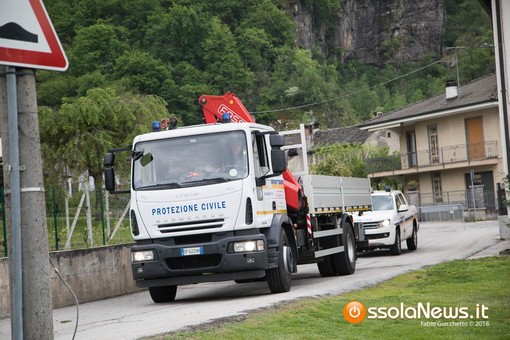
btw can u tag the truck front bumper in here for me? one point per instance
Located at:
(209, 261)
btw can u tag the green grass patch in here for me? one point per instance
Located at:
(457, 284)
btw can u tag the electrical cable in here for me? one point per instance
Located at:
(370, 87)
(74, 295)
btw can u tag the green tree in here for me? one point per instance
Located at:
(223, 67)
(96, 47)
(177, 35)
(338, 156)
(278, 26)
(142, 71)
(91, 125)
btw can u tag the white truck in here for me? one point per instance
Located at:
(198, 217)
(391, 222)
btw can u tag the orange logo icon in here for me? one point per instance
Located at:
(354, 312)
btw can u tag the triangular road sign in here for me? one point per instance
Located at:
(27, 37)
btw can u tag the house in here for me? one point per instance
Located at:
(450, 146)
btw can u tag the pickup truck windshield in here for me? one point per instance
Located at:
(382, 203)
(190, 161)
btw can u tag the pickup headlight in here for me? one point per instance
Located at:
(143, 255)
(248, 246)
(384, 223)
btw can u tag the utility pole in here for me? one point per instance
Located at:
(37, 307)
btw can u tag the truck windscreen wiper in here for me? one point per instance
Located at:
(160, 186)
(205, 180)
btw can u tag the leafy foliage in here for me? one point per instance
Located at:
(89, 126)
(122, 53)
(343, 159)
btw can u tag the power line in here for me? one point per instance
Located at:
(464, 48)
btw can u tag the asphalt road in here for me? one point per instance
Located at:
(134, 316)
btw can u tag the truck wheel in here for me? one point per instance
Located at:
(412, 242)
(279, 279)
(163, 294)
(396, 248)
(345, 262)
(326, 267)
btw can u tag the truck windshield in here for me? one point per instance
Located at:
(190, 161)
(382, 203)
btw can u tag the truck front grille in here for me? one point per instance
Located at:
(191, 225)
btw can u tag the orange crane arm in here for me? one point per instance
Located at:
(213, 108)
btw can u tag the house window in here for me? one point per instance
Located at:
(433, 144)
(437, 187)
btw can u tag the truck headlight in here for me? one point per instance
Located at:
(143, 255)
(247, 246)
(384, 223)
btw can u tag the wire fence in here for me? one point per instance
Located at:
(86, 219)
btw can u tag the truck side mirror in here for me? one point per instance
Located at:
(109, 172)
(278, 161)
(109, 159)
(109, 179)
(276, 140)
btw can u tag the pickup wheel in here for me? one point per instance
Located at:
(412, 242)
(396, 248)
(345, 262)
(163, 294)
(279, 279)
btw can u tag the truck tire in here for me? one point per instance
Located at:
(345, 262)
(396, 248)
(326, 267)
(279, 279)
(163, 294)
(412, 242)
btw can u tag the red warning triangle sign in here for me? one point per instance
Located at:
(27, 36)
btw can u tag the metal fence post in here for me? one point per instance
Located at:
(4, 222)
(55, 217)
(102, 214)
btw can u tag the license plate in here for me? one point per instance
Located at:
(192, 251)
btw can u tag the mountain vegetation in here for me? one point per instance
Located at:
(134, 61)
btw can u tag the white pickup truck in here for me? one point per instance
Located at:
(391, 221)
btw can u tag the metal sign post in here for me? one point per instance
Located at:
(15, 192)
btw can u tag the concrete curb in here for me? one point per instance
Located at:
(501, 248)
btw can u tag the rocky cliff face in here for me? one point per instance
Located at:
(372, 31)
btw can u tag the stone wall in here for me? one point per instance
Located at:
(93, 274)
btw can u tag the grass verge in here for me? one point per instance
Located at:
(465, 287)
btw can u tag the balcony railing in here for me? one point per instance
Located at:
(428, 158)
(469, 199)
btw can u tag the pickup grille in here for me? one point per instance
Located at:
(369, 225)
(191, 225)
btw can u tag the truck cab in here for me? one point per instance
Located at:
(390, 222)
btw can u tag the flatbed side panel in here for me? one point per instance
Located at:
(331, 193)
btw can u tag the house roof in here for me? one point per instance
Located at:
(479, 91)
(348, 134)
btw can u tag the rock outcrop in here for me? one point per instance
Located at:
(372, 31)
